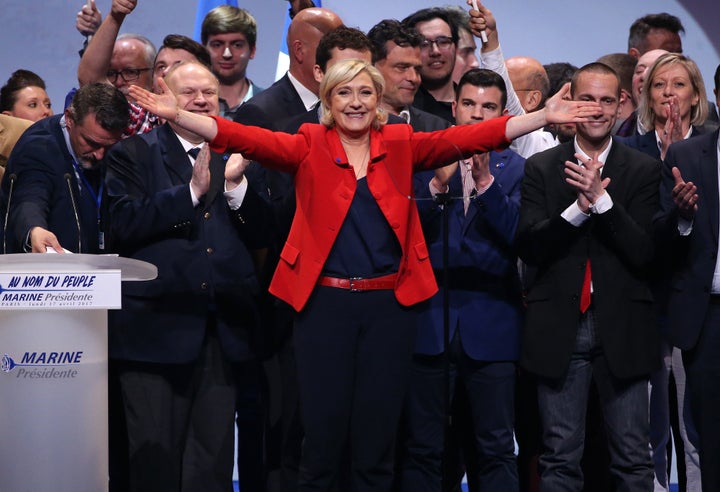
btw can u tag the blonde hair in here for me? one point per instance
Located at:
(343, 72)
(698, 113)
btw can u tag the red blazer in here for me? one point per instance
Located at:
(325, 185)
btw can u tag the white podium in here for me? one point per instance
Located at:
(53, 378)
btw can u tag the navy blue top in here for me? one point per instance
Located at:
(366, 245)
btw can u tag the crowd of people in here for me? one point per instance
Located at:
(407, 261)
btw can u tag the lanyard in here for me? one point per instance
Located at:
(97, 197)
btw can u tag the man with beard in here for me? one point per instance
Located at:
(229, 34)
(54, 175)
(437, 52)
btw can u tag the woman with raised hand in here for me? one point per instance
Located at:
(355, 262)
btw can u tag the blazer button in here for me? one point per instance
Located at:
(575, 298)
(209, 251)
(204, 286)
(206, 215)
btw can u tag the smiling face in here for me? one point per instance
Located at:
(31, 103)
(401, 71)
(195, 88)
(230, 54)
(604, 89)
(438, 61)
(353, 105)
(669, 82)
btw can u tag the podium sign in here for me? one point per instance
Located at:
(53, 370)
(57, 290)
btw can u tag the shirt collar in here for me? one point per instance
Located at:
(658, 141)
(66, 135)
(308, 97)
(602, 157)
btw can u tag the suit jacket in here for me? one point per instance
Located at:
(647, 143)
(272, 107)
(694, 256)
(620, 246)
(422, 121)
(203, 253)
(426, 102)
(485, 293)
(42, 193)
(325, 186)
(10, 130)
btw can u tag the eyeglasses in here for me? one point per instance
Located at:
(442, 43)
(127, 74)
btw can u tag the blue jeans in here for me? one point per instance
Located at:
(563, 405)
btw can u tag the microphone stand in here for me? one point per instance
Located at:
(12, 179)
(443, 200)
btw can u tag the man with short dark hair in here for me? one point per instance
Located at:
(397, 57)
(485, 311)
(437, 52)
(624, 66)
(56, 176)
(655, 31)
(585, 232)
(175, 49)
(229, 34)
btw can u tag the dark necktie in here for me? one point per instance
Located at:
(194, 152)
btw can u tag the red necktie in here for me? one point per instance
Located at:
(585, 292)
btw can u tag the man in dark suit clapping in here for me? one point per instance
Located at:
(585, 232)
(180, 340)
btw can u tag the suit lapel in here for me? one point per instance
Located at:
(615, 167)
(709, 171)
(569, 195)
(174, 157)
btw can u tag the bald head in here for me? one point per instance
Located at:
(306, 29)
(529, 80)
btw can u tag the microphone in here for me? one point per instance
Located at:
(12, 178)
(68, 179)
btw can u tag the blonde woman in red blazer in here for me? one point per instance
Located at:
(355, 262)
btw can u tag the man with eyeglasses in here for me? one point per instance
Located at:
(437, 52)
(122, 61)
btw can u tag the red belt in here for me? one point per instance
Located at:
(359, 284)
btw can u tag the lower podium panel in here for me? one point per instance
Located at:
(53, 401)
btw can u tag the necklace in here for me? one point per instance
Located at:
(359, 166)
(362, 170)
